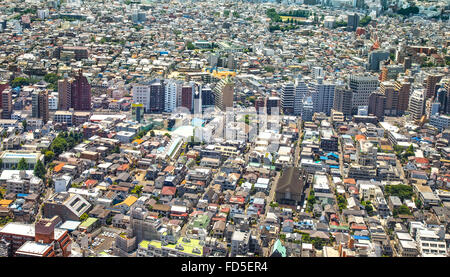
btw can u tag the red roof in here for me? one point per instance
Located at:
(422, 160)
(358, 227)
(168, 190)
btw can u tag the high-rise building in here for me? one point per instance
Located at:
(343, 101)
(157, 96)
(172, 90)
(287, 98)
(430, 84)
(317, 72)
(81, 93)
(387, 88)
(442, 99)
(137, 111)
(390, 72)
(417, 104)
(6, 104)
(40, 108)
(301, 91)
(141, 95)
(64, 94)
(362, 86)
(403, 88)
(323, 96)
(3, 85)
(375, 57)
(272, 105)
(187, 96)
(207, 96)
(352, 22)
(308, 109)
(224, 93)
(377, 104)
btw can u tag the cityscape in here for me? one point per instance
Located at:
(225, 128)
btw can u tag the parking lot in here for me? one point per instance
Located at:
(103, 242)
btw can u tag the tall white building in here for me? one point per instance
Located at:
(141, 95)
(173, 91)
(417, 104)
(53, 101)
(301, 92)
(317, 72)
(362, 86)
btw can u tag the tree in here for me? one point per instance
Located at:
(19, 82)
(84, 216)
(22, 165)
(48, 156)
(190, 45)
(168, 135)
(137, 190)
(152, 133)
(116, 149)
(39, 170)
(24, 124)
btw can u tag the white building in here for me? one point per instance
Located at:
(417, 104)
(429, 244)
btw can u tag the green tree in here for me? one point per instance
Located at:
(22, 165)
(84, 216)
(39, 170)
(190, 45)
(20, 82)
(48, 156)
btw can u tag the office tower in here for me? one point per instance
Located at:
(442, 99)
(352, 22)
(207, 96)
(172, 90)
(224, 93)
(388, 89)
(301, 91)
(6, 104)
(137, 111)
(287, 98)
(323, 96)
(273, 105)
(308, 109)
(187, 95)
(375, 57)
(81, 93)
(377, 104)
(40, 108)
(430, 84)
(362, 86)
(157, 96)
(343, 101)
(403, 89)
(417, 103)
